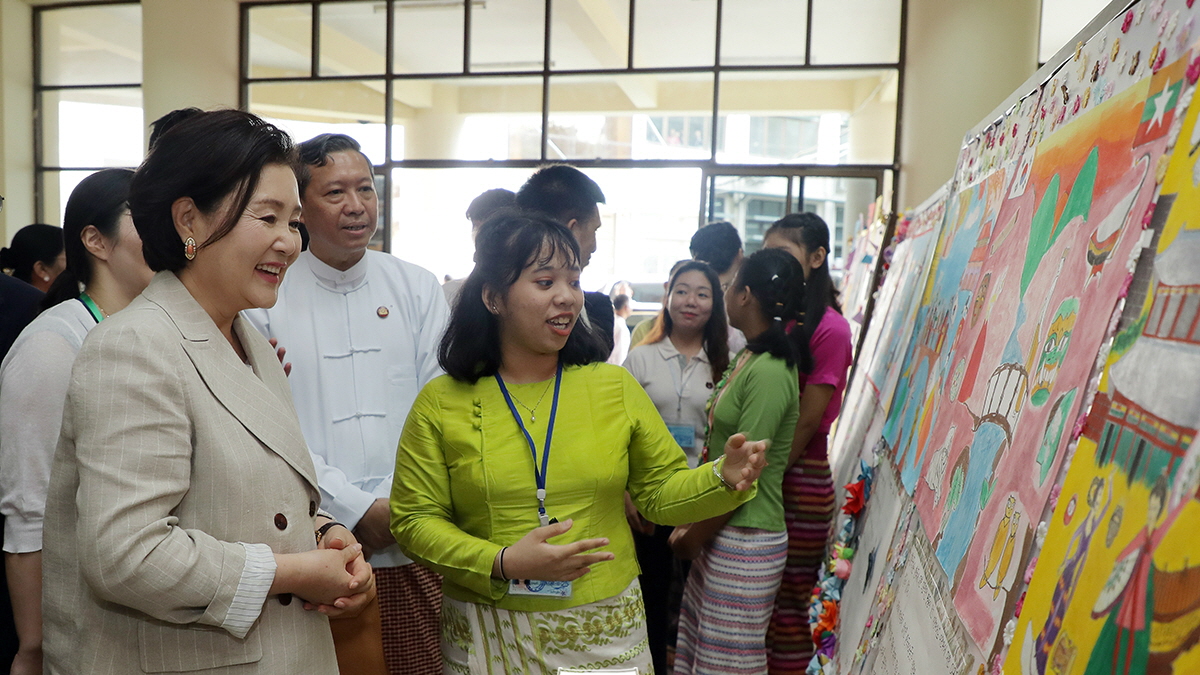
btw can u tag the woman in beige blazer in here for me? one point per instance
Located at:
(180, 522)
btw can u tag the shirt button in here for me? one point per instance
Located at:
(285, 599)
(280, 521)
(312, 509)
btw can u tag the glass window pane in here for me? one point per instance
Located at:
(305, 109)
(92, 45)
(750, 203)
(631, 117)
(822, 117)
(353, 38)
(429, 38)
(429, 227)
(845, 204)
(468, 118)
(56, 189)
(671, 33)
(92, 127)
(281, 40)
(1062, 20)
(508, 35)
(643, 231)
(763, 32)
(589, 35)
(840, 35)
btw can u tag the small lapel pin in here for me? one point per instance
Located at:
(382, 312)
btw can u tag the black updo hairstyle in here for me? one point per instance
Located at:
(98, 200)
(776, 280)
(32, 244)
(210, 157)
(508, 243)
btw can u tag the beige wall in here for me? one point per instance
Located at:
(16, 117)
(964, 57)
(189, 55)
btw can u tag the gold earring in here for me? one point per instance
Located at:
(189, 249)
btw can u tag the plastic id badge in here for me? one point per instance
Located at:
(685, 435)
(616, 671)
(544, 589)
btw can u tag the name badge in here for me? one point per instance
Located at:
(685, 436)
(544, 589)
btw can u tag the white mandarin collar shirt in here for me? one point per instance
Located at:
(362, 343)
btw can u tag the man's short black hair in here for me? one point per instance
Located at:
(620, 302)
(561, 192)
(490, 201)
(316, 151)
(717, 244)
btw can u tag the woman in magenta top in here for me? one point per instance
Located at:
(807, 484)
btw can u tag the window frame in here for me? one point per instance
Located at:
(547, 74)
(40, 89)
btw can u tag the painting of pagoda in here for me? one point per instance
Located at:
(1144, 428)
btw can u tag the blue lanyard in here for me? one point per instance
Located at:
(539, 476)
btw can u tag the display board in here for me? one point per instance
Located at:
(1042, 442)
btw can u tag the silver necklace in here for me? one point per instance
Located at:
(532, 414)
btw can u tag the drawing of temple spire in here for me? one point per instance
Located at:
(1147, 427)
(1104, 240)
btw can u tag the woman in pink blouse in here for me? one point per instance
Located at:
(807, 484)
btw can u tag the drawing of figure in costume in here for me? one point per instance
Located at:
(1068, 576)
(1005, 541)
(1127, 598)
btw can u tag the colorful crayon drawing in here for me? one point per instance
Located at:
(1012, 319)
(1128, 601)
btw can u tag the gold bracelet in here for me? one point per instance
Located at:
(717, 472)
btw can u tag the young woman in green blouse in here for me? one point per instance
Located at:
(512, 469)
(740, 556)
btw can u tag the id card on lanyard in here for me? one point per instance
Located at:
(684, 434)
(553, 589)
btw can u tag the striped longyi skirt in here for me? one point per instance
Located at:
(728, 601)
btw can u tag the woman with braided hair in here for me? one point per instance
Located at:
(739, 557)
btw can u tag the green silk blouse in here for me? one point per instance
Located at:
(464, 483)
(762, 401)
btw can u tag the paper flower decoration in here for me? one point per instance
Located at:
(854, 498)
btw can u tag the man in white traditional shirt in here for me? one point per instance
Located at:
(361, 329)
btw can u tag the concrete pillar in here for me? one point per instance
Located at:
(16, 117)
(964, 57)
(189, 55)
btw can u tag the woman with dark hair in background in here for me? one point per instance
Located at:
(477, 493)
(182, 507)
(104, 272)
(36, 255)
(678, 366)
(739, 557)
(807, 484)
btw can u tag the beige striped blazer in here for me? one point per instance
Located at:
(172, 452)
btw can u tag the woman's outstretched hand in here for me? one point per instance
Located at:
(533, 557)
(744, 461)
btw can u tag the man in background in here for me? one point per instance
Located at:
(621, 312)
(361, 329)
(567, 195)
(478, 211)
